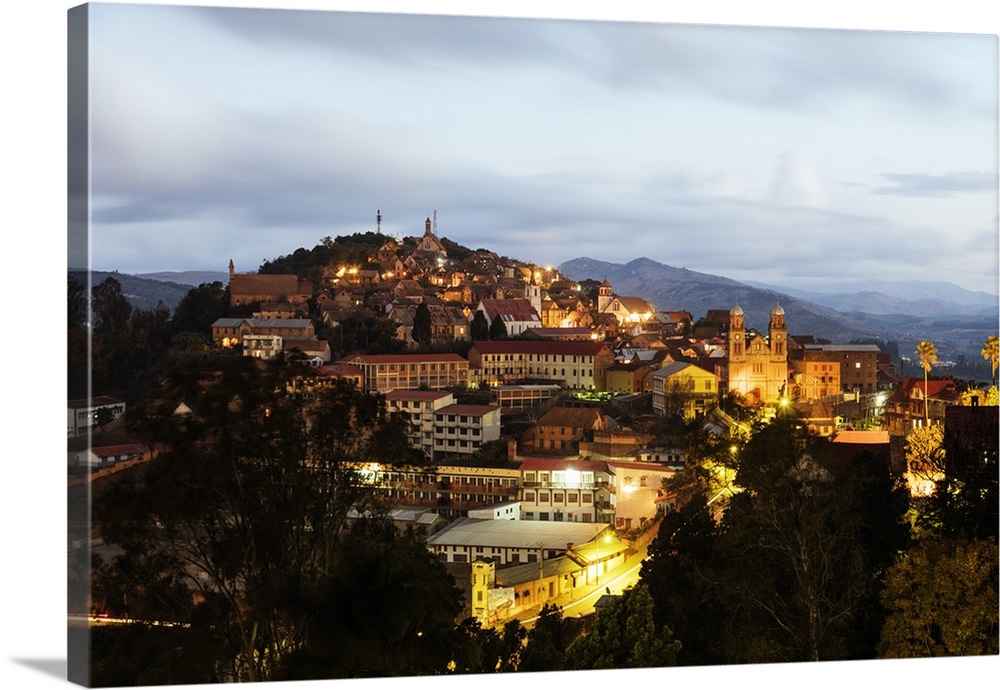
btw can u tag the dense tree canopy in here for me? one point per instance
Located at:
(250, 503)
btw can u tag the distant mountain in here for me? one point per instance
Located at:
(192, 278)
(671, 288)
(935, 299)
(142, 293)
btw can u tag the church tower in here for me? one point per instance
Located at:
(533, 292)
(604, 296)
(778, 338)
(232, 270)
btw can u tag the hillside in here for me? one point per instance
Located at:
(142, 293)
(669, 288)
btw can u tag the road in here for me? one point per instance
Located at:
(580, 602)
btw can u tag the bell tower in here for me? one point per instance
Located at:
(604, 296)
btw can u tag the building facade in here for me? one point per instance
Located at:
(686, 389)
(384, 373)
(757, 365)
(577, 365)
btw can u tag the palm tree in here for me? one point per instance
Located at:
(928, 356)
(991, 353)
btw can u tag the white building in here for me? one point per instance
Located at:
(84, 415)
(509, 541)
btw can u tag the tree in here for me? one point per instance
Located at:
(76, 304)
(250, 507)
(991, 353)
(928, 357)
(802, 572)
(925, 454)
(968, 495)
(200, 308)
(111, 308)
(942, 601)
(498, 329)
(422, 325)
(545, 643)
(678, 575)
(480, 327)
(625, 635)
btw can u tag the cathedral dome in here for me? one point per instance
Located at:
(778, 310)
(736, 311)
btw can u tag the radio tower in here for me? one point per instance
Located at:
(435, 222)
(378, 221)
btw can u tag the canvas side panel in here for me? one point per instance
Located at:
(78, 200)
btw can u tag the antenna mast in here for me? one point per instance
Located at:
(435, 222)
(378, 221)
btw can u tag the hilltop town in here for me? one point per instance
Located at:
(534, 431)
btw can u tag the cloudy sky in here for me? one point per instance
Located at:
(797, 157)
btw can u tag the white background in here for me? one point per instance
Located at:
(33, 42)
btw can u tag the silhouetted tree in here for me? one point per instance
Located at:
(498, 329)
(480, 327)
(422, 325)
(200, 308)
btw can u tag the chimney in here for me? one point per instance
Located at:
(512, 450)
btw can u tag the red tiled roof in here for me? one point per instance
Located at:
(400, 394)
(509, 309)
(539, 347)
(340, 370)
(120, 449)
(403, 359)
(472, 410)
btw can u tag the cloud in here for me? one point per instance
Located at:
(947, 185)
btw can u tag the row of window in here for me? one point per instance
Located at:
(567, 497)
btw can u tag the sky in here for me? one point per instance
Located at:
(791, 156)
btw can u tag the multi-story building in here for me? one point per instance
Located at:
(441, 428)
(384, 373)
(913, 405)
(261, 346)
(448, 490)
(578, 365)
(682, 387)
(561, 429)
(230, 331)
(857, 366)
(622, 493)
(420, 407)
(563, 490)
(815, 373)
(461, 430)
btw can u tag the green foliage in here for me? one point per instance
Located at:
(545, 644)
(625, 635)
(942, 601)
(794, 570)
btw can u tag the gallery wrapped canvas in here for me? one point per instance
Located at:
(451, 348)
